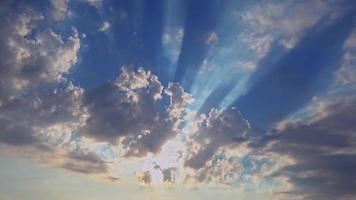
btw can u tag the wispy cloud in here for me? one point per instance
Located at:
(104, 26)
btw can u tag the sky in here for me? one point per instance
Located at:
(177, 100)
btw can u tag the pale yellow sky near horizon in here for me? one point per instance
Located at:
(24, 179)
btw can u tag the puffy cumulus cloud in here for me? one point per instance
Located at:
(210, 158)
(221, 168)
(44, 116)
(42, 127)
(178, 101)
(322, 150)
(129, 111)
(238, 166)
(314, 158)
(217, 130)
(24, 117)
(27, 61)
(39, 108)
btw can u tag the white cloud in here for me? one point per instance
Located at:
(95, 3)
(345, 77)
(211, 38)
(60, 9)
(172, 40)
(104, 26)
(351, 41)
(284, 22)
(173, 36)
(260, 45)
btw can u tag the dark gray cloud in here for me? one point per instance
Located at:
(129, 109)
(146, 178)
(323, 151)
(84, 162)
(16, 134)
(37, 105)
(218, 130)
(26, 62)
(40, 108)
(22, 119)
(169, 175)
(320, 153)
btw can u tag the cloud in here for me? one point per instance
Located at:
(104, 26)
(173, 36)
(267, 24)
(346, 75)
(291, 74)
(155, 175)
(26, 61)
(60, 9)
(169, 175)
(43, 127)
(127, 111)
(84, 162)
(145, 178)
(323, 151)
(16, 134)
(261, 45)
(56, 107)
(215, 131)
(211, 38)
(95, 3)
(135, 111)
(221, 168)
(287, 20)
(39, 108)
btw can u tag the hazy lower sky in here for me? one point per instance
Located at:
(177, 100)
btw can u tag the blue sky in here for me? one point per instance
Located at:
(177, 99)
